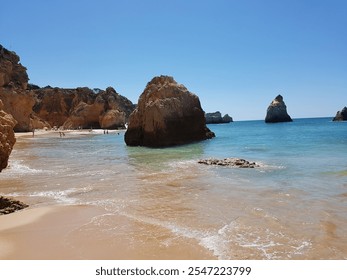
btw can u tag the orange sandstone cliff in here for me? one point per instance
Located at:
(34, 107)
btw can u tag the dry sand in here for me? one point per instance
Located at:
(39, 133)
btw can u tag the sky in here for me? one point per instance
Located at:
(236, 55)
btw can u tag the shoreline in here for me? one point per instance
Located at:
(106, 201)
(72, 232)
(65, 133)
(14, 205)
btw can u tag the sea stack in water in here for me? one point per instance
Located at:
(277, 111)
(341, 115)
(167, 114)
(7, 138)
(216, 117)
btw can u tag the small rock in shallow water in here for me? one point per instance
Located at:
(233, 162)
(8, 205)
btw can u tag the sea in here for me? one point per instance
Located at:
(161, 200)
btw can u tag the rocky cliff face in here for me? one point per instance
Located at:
(12, 73)
(7, 138)
(216, 117)
(19, 104)
(167, 114)
(82, 108)
(13, 84)
(34, 107)
(277, 111)
(341, 115)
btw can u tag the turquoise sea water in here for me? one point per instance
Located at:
(294, 206)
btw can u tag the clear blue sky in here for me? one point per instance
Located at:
(236, 55)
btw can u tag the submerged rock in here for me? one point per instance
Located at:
(341, 115)
(167, 114)
(8, 205)
(233, 162)
(216, 117)
(277, 111)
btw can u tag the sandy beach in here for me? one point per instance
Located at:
(69, 232)
(39, 233)
(92, 197)
(73, 232)
(39, 133)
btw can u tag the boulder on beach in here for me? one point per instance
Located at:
(167, 114)
(277, 111)
(7, 137)
(216, 117)
(341, 115)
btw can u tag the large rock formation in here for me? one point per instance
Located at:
(216, 117)
(13, 84)
(12, 73)
(19, 104)
(7, 137)
(82, 108)
(107, 110)
(167, 114)
(34, 107)
(341, 115)
(277, 111)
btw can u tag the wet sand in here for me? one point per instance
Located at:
(71, 232)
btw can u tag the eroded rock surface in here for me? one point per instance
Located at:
(7, 137)
(8, 205)
(167, 114)
(216, 117)
(277, 111)
(341, 115)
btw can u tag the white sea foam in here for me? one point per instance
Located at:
(219, 241)
(213, 240)
(16, 167)
(67, 196)
(270, 245)
(182, 163)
